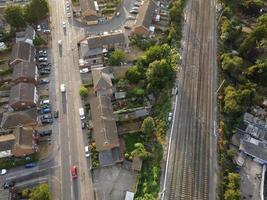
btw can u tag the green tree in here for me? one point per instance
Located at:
(232, 188)
(157, 52)
(117, 57)
(139, 151)
(232, 64)
(26, 193)
(136, 92)
(148, 127)
(36, 10)
(252, 7)
(14, 16)
(40, 192)
(83, 91)
(160, 75)
(231, 104)
(258, 72)
(133, 75)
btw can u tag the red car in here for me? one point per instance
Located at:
(74, 172)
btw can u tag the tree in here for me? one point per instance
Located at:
(139, 151)
(14, 16)
(148, 127)
(136, 92)
(252, 7)
(133, 75)
(160, 75)
(117, 57)
(232, 188)
(231, 105)
(258, 72)
(83, 91)
(36, 10)
(157, 52)
(232, 64)
(40, 192)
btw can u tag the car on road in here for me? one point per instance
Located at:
(62, 88)
(3, 171)
(47, 121)
(86, 150)
(9, 184)
(46, 116)
(81, 112)
(117, 14)
(68, 14)
(45, 133)
(43, 81)
(83, 125)
(56, 114)
(64, 25)
(84, 70)
(59, 43)
(74, 172)
(30, 165)
(45, 111)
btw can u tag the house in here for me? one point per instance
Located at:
(144, 19)
(102, 81)
(26, 72)
(11, 120)
(89, 11)
(22, 51)
(105, 131)
(23, 96)
(6, 144)
(27, 36)
(24, 144)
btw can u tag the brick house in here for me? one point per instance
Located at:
(26, 72)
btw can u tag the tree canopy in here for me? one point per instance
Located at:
(14, 16)
(232, 188)
(148, 127)
(133, 75)
(139, 151)
(36, 10)
(258, 72)
(232, 64)
(117, 57)
(83, 91)
(40, 192)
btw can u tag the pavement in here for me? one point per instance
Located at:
(191, 171)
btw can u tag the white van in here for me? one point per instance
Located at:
(86, 150)
(81, 112)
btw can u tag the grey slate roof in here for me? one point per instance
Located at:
(146, 13)
(101, 79)
(24, 69)
(109, 157)
(105, 40)
(13, 119)
(22, 92)
(105, 129)
(23, 51)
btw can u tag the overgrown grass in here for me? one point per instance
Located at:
(131, 139)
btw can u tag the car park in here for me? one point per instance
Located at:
(74, 172)
(45, 133)
(3, 171)
(47, 121)
(9, 184)
(84, 70)
(86, 151)
(31, 165)
(43, 81)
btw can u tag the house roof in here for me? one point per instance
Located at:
(101, 79)
(23, 51)
(109, 157)
(24, 69)
(22, 92)
(105, 129)
(24, 137)
(29, 33)
(105, 40)
(14, 119)
(7, 142)
(146, 13)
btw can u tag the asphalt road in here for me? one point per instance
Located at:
(191, 172)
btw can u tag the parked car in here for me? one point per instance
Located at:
(43, 81)
(86, 151)
(45, 101)
(39, 28)
(127, 27)
(43, 63)
(44, 72)
(47, 31)
(42, 59)
(44, 106)
(117, 14)
(56, 114)
(81, 112)
(42, 51)
(9, 184)
(30, 165)
(46, 116)
(84, 70)
(134, 12)
(45, 110)
(74, 172)
(83, 125)
(47, 121)
(64, 25)
(45, 133)
(47, 68)
(131, 17)
(3, 171)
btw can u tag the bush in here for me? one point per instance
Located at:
(39, 41)
(83, 91)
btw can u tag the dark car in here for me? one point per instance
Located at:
(45, 110)
(46, 116)
(127, 27)
(9, 184)
(44, 72)
(45, 133)
(43, 63)
(47, 121)
(47, 68)
(44, 81)
(83, 125)
(30, 165)
(56, 114)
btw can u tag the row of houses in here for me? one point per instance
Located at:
(21, 117)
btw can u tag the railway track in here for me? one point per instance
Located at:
(189, 178)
